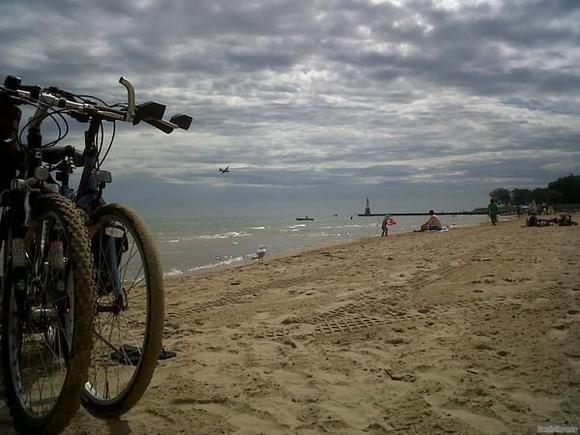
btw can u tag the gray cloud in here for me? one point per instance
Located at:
(340, 97)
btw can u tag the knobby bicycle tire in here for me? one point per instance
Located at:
(75, 358)
(99, 396)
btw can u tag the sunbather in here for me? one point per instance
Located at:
(432, 224)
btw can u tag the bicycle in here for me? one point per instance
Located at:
(128, 272)
(47, 283)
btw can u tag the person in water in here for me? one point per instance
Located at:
(432, 224)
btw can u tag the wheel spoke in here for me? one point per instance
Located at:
(39, 365)
(119, 328)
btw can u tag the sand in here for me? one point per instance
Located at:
(473, 330)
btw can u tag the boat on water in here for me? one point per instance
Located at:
(305, 218)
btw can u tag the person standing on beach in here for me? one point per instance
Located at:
(385, 227)
(387, 222)
(492, 211)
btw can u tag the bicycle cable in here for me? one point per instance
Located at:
(99, 138)
(49, 114)
(66, 132)
(87, 98)
(113, 132)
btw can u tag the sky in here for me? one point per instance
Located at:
(317, 104)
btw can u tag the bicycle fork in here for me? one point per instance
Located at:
(117, 288)
(113, 239)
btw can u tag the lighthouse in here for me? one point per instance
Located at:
(367, 208)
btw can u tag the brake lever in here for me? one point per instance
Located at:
(181, 121)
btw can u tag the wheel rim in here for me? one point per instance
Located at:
(40, 319)
(121, 322)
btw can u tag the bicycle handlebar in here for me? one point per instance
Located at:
(34, 94)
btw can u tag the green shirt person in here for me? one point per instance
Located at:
(492, 211)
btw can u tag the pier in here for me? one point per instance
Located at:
(367, 213)
(454, 213)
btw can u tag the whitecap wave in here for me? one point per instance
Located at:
(226, 262)
(227, 235)
(173, 272)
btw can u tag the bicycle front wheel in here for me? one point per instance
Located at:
(46, 316)
(128, 326)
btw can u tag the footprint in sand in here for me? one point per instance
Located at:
(559, 331)
(574, 359)
(561, 326)
(541, 404)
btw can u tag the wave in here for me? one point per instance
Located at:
(348, 226)
(227, 235)
(173, 272)
(226, 262)
(258, 228)
(323, 234)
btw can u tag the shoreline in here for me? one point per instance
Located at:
(205, 269)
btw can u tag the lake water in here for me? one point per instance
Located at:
(193, 244)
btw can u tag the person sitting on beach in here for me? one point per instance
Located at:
(566, 220)
(432, 224)
(532, 220)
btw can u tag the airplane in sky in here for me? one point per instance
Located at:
(223, 171)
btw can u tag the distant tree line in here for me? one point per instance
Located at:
(564, 190)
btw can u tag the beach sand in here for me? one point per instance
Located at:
(472, 330)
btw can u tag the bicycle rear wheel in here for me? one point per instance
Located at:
(46, 316)
(128, 324)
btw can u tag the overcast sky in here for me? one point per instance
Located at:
(315, 105)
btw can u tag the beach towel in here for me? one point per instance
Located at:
(442, 230)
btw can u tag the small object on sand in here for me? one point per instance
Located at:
(260, 253)
(392, 375)
(130, 355)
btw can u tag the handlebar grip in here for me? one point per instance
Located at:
(164, 126)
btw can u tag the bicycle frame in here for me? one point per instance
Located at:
(89, 192)
(89, 195)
